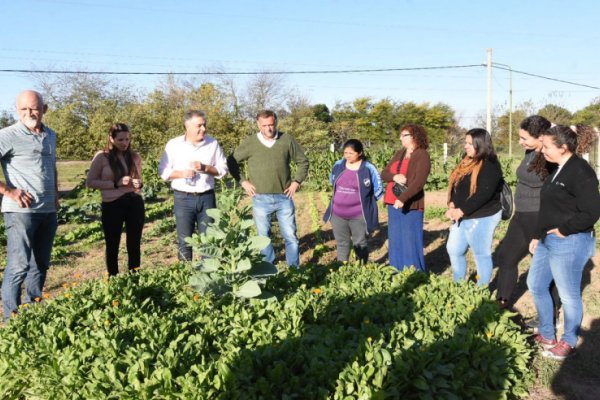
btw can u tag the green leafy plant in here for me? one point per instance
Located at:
(230, 258)
(339, 332)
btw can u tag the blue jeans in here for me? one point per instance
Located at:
(563, 260)
(264, 206)
(405, 238)
(29, 239)
(477, 233)
(190, 214)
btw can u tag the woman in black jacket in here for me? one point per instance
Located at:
(474, 206)
(564, 239)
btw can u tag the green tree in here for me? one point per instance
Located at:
(589, 115)
(556, 114)
(6, 119)
(321, 113)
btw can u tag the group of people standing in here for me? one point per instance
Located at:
(557, 203)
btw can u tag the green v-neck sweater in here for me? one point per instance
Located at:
(269, 168)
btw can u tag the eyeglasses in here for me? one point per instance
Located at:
(406, 135)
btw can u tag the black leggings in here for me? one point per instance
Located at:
(128, 209)
(512, 249)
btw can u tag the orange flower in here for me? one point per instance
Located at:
(65, 285)
(196, 297)
(316, 291)
(77, 275)
(115, 303)
(477, 277)
(46, 295)
(37, 299)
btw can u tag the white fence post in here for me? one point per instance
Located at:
(445, 152)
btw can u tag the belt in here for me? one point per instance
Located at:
(211, 191)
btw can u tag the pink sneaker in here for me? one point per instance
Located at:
(559, 352)
(546, 344)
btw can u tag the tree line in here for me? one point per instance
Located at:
(82, 107)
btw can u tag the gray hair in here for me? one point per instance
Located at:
(193, 113)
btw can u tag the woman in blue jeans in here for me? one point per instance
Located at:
(564, 239)
(474, 206)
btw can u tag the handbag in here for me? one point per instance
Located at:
(506, 201)
(399, 188)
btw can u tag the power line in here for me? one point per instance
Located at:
(547, 78)
(313, 72)
(301, 72)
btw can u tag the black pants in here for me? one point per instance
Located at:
(128, 209)
(512, 249)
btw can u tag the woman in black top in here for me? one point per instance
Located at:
(474, 206)
(564, 239)
(531, 174)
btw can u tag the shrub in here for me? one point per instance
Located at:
(334, 331)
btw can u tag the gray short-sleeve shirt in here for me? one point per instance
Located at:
(29, 163)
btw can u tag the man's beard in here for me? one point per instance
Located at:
(31, 123)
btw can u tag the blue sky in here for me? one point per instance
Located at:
(552, 38)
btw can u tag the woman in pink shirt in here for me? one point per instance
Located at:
(116, 171)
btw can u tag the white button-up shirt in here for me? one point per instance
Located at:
(178, 156)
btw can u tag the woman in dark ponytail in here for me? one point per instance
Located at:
(531, 174)
(116, 171)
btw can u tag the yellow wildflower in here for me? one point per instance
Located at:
(107, 323)
(196, 297)
(369, 339)
(477, 277)
(489, 334)
(65, 285)
(67, 295)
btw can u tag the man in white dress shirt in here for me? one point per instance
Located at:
(191, 162)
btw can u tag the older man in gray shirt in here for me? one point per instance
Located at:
(30, 198)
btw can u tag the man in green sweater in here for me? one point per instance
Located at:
(269, 154)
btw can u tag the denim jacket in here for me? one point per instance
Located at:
(370, 188)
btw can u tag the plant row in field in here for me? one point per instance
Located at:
(342, 332)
